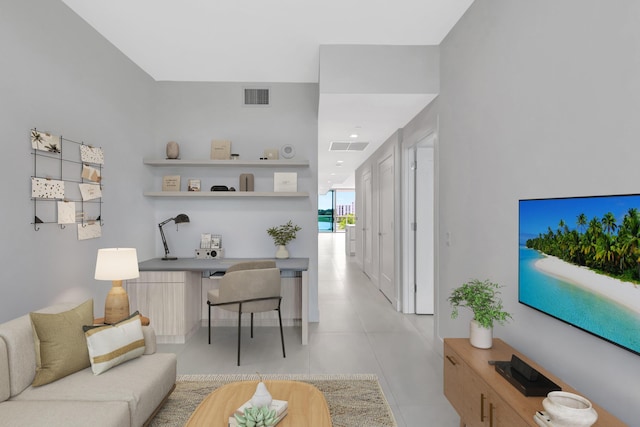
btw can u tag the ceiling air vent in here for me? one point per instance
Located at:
(348, 146)
(253, 96)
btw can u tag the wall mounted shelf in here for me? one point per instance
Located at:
(230, 163)
(214, 164)
(223, 194)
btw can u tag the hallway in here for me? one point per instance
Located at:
(358, 332)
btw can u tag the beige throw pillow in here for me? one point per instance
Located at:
(111, 345)
(61, 347)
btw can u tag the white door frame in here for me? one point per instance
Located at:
(367, 224)
(408, 221)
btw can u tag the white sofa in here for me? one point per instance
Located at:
(127, 395)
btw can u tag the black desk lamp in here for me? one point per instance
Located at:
(178, 219)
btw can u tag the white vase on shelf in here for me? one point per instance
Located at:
(173, 150)
(282, 252)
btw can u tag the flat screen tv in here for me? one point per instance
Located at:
(579, 262)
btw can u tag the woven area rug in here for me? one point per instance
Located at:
(353, 400)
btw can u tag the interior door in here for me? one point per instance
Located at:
(386, 231)
(424, 234)
(367, 238)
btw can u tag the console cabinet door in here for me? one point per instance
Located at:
(453, 380)
(477, 395)
(487, 407)
(502, 415)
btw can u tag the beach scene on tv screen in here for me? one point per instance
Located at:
(579, 262)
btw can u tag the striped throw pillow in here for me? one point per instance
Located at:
(111, 345)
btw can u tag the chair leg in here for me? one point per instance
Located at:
(281, 333)
(239, 331)
(251, 325)
(209, 305)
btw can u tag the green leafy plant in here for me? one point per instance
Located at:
(283, 234)
(257, 416)
(483, 298)
(347, 219)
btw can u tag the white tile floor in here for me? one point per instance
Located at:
(358, 332)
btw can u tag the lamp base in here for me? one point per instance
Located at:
(169, 258)
(116, 305)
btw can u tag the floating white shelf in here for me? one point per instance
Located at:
(231, 163)
(223, 194)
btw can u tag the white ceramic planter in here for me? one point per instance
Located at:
(569, 410)
(282, 252)
(480, 337)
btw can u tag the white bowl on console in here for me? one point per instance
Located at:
(569, 410)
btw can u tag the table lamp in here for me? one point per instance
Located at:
(180, 218)
(116, 264)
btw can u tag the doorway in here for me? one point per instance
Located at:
(419, 229)
(336, 210)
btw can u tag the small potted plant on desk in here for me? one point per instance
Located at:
(482, 297)
(283, 234)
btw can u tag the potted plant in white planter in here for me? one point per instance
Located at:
(483, 298)
(283, 234)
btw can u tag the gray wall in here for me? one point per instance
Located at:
(59, 75)
(195, 113)
(379, 69)
(538, 99)
(62, 77)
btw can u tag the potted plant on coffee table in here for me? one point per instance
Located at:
(483, 298)
(283, 234)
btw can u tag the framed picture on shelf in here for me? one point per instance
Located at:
(171, 183)
(285, 182)
(194, 185)
(220, 149)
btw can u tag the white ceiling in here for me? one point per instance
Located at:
(278, 41)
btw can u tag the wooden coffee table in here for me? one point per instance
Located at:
(307, 406)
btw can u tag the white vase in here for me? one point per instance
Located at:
(569, 410)
(173, 150)
(282, 252)
(479, 336)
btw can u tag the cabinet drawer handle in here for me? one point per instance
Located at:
(482, 398)
(452, 360)
(490, 414)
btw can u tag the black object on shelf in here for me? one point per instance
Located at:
(525, 378)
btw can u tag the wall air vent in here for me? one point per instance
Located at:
(348, 146)
(256, 97)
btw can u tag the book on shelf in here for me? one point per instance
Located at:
(280, 406)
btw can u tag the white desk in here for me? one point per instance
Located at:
(170, 292)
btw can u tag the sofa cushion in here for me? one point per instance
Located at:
(60, 344)
(18, 337)
(150, 344)
(5, 389)
(143, 383)
(111, 345)
(57, 413)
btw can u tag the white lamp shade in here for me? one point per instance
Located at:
(117, 264)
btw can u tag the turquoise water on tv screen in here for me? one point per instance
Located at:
(576, 305)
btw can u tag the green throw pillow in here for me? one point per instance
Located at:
(61, 347)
